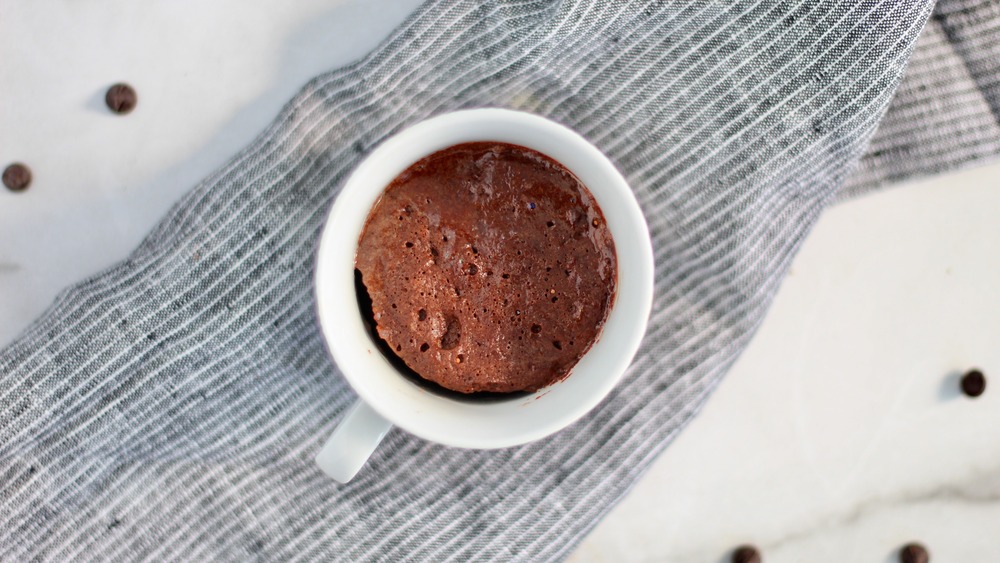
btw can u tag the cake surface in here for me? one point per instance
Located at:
(489, 268)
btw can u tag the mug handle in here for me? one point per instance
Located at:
(352, 442)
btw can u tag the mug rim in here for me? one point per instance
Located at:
(445, 419)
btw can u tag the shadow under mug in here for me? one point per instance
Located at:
(386, 396)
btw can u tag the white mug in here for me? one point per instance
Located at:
(386, 397)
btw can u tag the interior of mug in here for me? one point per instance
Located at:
(445, 418)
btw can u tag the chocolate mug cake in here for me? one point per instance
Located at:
(488, 267)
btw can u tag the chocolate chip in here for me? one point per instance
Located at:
(914, 553)
(17, 177)
(121, 98)
(974, 383)
(746, 554)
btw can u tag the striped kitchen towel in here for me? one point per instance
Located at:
(170, 407)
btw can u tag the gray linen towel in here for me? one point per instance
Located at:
(170, 407)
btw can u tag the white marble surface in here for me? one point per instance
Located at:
(838, 436)
(210, 76)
